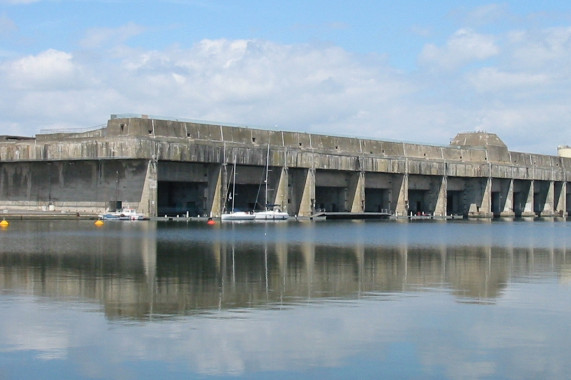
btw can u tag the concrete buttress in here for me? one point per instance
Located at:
(356, 192)
(307, 204)
(281, 196)
(528, 205)
(215, 197)
(400, 192)
(560, 199)
(148, 203)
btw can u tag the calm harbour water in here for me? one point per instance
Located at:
(147, 300)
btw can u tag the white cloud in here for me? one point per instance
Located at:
(49, 70)
(303, 87)
(491, 79)
(464, 46)
(545, 49)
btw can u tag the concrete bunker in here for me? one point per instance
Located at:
(173, 167)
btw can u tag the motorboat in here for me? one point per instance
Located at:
(123, 214)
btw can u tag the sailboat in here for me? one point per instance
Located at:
(235, 214)
(271, 212)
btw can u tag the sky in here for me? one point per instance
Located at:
(390, 70)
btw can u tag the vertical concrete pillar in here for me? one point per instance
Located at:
(214, 192)
(148, 203)
(507, 198)
(478, 194)
(546, 209)
(356, 192)
(486, 207)
(528, 205)
(560, 198)
(436, 196)
(399, 202)
(281, 194)
(307, 204)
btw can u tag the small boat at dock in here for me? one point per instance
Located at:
(123, 214)
(237, 215)
(271, 214)
(271, 211)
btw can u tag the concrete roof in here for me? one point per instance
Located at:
(478, 139)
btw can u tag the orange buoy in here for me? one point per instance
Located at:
(210, 222)
(99, 222)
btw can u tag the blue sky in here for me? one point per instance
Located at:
(379, 69)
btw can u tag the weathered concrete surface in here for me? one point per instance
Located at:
(155, 165)
(79, 184)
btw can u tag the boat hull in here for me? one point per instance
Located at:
(271, 215)
(125, 214)
(115, 217)
(237, 216)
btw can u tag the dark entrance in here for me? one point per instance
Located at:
(181, 198)
(417, 203)
(375, 200)
(454, 204)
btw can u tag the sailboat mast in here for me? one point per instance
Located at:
(234, 185)
(266, 180)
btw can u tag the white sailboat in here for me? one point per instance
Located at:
(274, 214)
(271, 211)
(235, 215)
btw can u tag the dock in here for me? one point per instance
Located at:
(330, 215)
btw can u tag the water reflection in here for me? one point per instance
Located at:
(147, 271)
(287, 300)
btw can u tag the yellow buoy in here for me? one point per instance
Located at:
(4, 223)
(99, 222)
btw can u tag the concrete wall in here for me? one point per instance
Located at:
(139, 138)
(81, 186)
(145, 152)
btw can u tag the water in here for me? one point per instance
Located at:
(303, 300)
